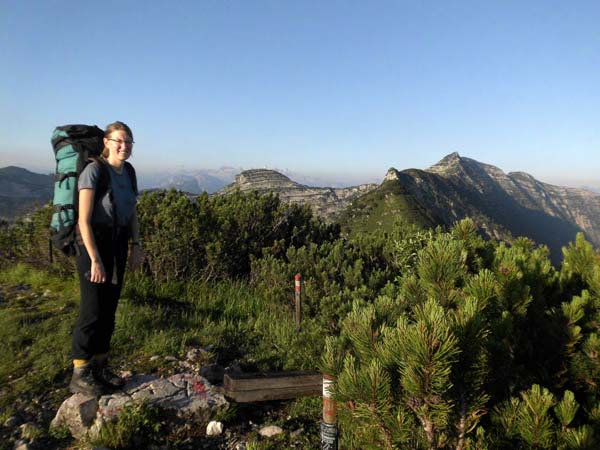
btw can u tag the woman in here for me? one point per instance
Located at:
(107, 222)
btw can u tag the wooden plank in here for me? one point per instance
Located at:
(261, 395)
(255, 387)
(251, 381)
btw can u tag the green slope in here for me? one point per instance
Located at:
(381, 208)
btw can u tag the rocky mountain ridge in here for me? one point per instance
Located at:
(503, 205)
(578, 206)
(327, 202)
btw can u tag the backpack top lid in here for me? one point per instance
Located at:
(88, 138)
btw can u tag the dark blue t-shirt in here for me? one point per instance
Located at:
(123, 194)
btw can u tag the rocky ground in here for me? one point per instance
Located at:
(252, 423)
(265, 425)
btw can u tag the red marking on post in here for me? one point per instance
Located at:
(297, 282)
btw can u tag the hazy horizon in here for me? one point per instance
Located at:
(335, 179)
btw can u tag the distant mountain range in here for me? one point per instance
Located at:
(21, 191)
(503, 205)
(192, 181)
(212, 180)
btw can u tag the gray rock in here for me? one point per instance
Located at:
(201, 396)
(188, 394)
(171, 359)
(77, 413)
(110, 406)
(155, 390)
(137, 382)
(154, 358)
(271, 430)
(297, 432)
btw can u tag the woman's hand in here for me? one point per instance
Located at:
(97, 272)
(135, 258)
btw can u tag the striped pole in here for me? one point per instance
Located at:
(298, 289)
(329, 430)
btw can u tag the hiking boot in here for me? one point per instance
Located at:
(107, 378)
(83, 382)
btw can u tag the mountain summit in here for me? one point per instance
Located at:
(503, 205)
(446, 164)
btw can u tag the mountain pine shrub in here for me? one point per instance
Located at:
(213, 238)
(456, 359)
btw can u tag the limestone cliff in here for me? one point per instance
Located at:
(326, 202)
(503, 205)
(577, 207)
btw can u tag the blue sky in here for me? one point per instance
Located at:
(349, 88)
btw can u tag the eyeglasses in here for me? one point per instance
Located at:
(120, 142)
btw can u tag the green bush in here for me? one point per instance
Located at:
(212, 238)
(28, 240)
(424, 369)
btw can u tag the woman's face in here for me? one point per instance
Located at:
(119, 145)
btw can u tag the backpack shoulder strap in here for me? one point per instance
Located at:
(103, 185)
(132, 177)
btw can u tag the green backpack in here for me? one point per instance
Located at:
(75, 146)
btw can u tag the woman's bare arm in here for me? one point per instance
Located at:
(86, 207)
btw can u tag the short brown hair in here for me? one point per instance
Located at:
(116, 126)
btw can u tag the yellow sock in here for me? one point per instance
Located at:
(77, 363)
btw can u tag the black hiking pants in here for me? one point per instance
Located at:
(96, 321)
